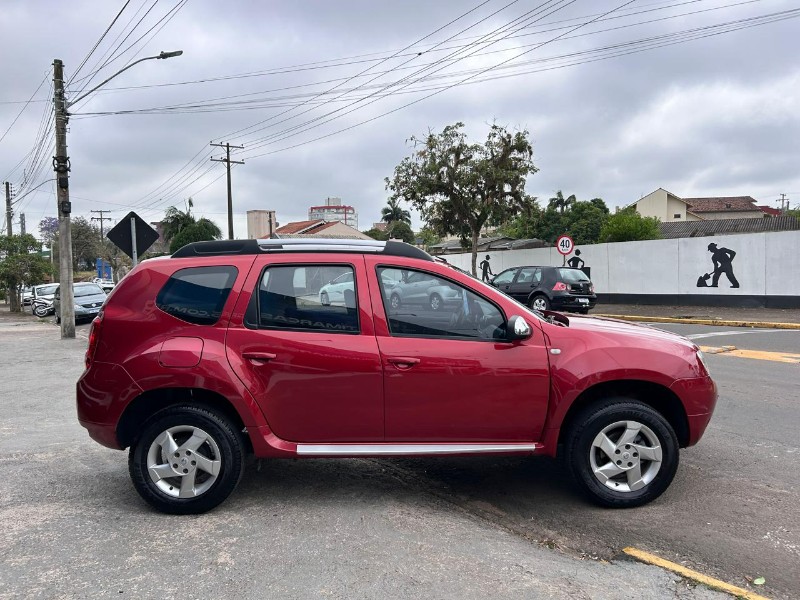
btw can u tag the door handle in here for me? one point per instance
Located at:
(259, 357)
(403, 362)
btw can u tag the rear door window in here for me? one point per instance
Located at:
(197, 294)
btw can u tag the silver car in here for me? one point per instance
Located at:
(419, 288)
(89, 299)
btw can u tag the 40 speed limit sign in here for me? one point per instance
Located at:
(564, 244)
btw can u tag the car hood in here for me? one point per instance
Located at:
(91, 299)
(616, 327)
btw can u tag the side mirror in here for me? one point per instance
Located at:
(518, 328)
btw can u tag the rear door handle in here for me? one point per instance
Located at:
(403, 362)
(259, 357)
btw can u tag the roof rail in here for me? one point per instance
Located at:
(231, 247)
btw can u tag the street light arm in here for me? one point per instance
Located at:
(136, 62)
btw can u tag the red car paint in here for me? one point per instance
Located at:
(289, 388)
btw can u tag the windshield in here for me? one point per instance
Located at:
(88, 289)
(46, 290)
(573, 276)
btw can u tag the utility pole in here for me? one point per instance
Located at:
(101, 218)
(61, 166)
(783, 199)
(228, 162)
(9, 214)
(22, 223)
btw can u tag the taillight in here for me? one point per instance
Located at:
(560, 287)
(94, 338)
(591, 288)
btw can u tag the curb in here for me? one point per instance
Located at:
(717, 322)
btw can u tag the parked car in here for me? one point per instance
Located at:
(89, 299)
(419, 289)
(546, 288)
(334, 292)
(27, 295)
(198, 359)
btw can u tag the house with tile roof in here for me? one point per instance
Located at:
(669, 207)
(319, 228)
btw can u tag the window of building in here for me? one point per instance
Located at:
(420, 304)
(676, 216)
(197, 294)
(308, 298)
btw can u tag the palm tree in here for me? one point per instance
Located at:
(176, 220)
(394, 212)
(561, 203)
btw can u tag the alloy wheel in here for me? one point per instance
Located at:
(184, 461)
(625, 456)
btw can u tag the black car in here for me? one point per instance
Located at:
(544, 288)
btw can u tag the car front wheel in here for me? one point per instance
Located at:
(622, 453)
(324, 300)
(187, 460)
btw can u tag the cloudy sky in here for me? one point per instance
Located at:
(700, 97)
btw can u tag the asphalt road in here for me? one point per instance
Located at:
(72, 526)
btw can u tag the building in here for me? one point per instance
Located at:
(319, 228)
(668, 207)
(334, 210)
(261, 224)
(716, 227)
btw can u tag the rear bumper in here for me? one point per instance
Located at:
(572, 302)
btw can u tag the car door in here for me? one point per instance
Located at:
(451, 375)
(504, 279)
(526, 282)
(314, 369)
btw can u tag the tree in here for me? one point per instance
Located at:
(428, 237)
(394, 212)
(400, 230)
(176, 220)
(560, 203)
(201, 231)
(459, 187)
(86, 244)
(377, 234)
(48, 230)
(22, 265)
(627, 225)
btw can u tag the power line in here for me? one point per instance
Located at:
(22, 110)
(97, 43)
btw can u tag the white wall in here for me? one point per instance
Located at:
(765, 264)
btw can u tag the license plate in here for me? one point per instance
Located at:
(583, 301)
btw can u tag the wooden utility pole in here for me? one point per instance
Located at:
(61, 167)
(228, 162)
(22, 223)
(101, 218)
(9, 214)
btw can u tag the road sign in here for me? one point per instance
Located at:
(564, 244)
(133, 236)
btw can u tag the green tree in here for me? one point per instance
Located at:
(21, 266)
(400, 230)
(201, 231)
(394, 212)
(377, 234)
(428, 237)
(560, 203)
(175, 220)
(86, 244)
(627, 225)
(460, 187)
(582, 220)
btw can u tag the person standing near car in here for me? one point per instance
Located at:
(486, 268)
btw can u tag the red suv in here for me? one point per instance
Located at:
(226, 348)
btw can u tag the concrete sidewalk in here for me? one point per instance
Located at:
(704, 315)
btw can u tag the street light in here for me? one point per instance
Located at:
(61, 166)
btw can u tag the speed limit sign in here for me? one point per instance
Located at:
(564, 245)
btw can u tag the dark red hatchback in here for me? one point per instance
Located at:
(234, 347)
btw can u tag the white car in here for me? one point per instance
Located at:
(334, 292)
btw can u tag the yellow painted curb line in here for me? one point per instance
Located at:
(717, 322)
(652, 559)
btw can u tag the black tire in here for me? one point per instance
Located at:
(324, 299)
(580, 453)
(183, 421)
(539, 302)
(58, 319)
(394, 301)
(436, 302)
(583, 311)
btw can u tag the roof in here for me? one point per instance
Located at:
(455, 247)
(773, 212)
(722, 204)
(308, 244)
(686, 229)
(302, 226)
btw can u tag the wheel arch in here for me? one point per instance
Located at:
(656, 396)
(148, 403)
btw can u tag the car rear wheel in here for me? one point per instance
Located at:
(436, 302)
(622, 453)
(187, 460)
(540, 302)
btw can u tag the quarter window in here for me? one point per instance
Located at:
(197, 294)
(420, 304)
(308, 298)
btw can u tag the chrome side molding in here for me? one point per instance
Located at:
(408, 449)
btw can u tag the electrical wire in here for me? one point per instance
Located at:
(22, 110)
(97, 43)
